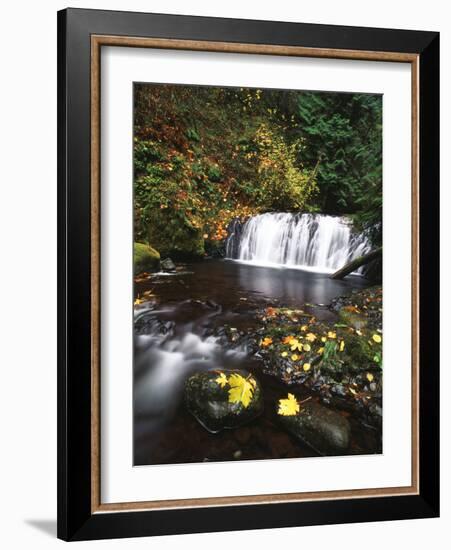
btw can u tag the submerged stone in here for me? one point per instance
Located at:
(207, 397)
(167, 265)
(326, 431)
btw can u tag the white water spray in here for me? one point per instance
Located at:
(307, 241)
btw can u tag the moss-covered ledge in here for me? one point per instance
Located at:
(145, 258)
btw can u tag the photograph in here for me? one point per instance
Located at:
(248, 273)
(257, 264)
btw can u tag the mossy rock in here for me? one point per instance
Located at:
(145, 258)
(326, 431)
(173, 236)
(349, 317)
(209, 401)
(359, 352)
(358, 355)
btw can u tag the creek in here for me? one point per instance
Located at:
(179, 328)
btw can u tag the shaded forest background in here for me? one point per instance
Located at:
(206, 155)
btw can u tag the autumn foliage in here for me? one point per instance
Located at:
(204, 156)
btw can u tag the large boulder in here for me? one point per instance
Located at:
(145, 258)
(223, 399)
(326, 431)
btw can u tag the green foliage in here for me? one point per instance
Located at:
(173, 234)
(213, 173)
(192, 135)
(344, 136)
(330, 360)
(361, 350)
(283, 184)
(205, 155)
(330, 351)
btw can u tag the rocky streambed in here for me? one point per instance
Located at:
(237, 362)
(340, 359)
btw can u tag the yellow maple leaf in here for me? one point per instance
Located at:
(307, 347)
(304, 328)
(296, 345)
(320, 351)
(323, 339)
(288, 339)
(266, 342)
(294, 357)
(284, 354)
(342, 345)
(221, 380)
(310, 337)
(369, 377)
(138, 301)
(241, 389)
(331, 334)
(377, 338)
(306, 367)
(289, 406)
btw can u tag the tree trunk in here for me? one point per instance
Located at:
(356, 263)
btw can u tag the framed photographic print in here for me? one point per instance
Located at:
(248, 274)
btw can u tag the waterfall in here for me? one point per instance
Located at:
(307, 241)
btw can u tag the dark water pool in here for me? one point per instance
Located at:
(226, 281)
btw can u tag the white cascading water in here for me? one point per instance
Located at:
(165, 360)
(308, 241)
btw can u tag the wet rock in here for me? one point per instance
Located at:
(324, 430)
(234, 232)
(168, 265)
(339, 390)
(148, 323)
(376, 411)
(208, 401)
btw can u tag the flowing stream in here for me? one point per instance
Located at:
(313, 242)
(178, 331)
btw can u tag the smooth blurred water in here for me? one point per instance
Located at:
(177, 339)
(313, 242)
